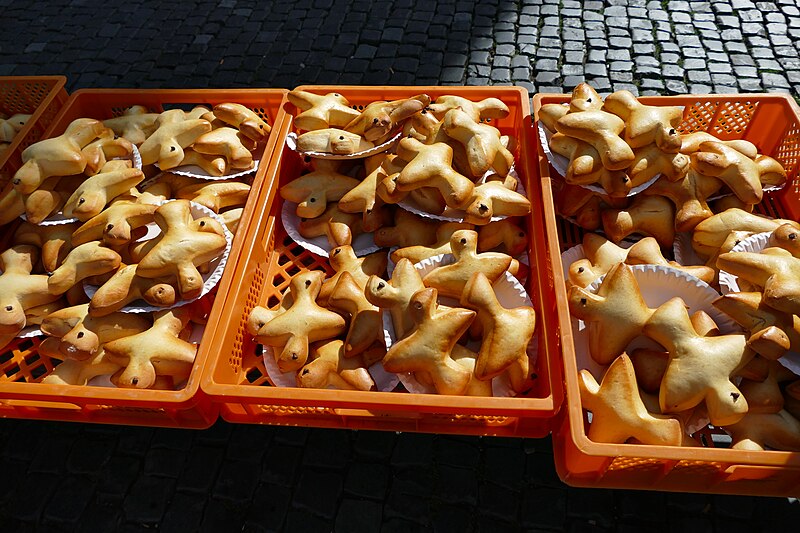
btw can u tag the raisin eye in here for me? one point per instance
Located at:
(463, 241)
(135, 381)
(520, 234)
(374, 120)
(672, 131)
(583, 301)
(580, 270)
(792, 236)
(308, 283)
(381, 285)
(417, 305)
(202, 223)
(80, 335)
(9, 308)
(312, 200)
(589, 100)
(110, 227)
(171, 148)
(341, 137)
(82, 200)
(305, 371)
(294, 357)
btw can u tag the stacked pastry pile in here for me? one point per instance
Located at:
(10, 127)
(329, 331)
(666, 372)
(621, 144)
(94, 286)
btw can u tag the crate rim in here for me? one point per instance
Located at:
(572, 413)
(546, 407)
(192, 394)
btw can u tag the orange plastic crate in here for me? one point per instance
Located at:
(772, 123)
(39, 96)
(22, 367)
(236, 378)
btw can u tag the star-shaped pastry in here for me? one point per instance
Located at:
(584, 166)
(228, 143)
(332, 141)
(55, 241)
(216, 195)
(451, 279)
(115, 223)
(502, 236)
(408, 229)
(395, 294)
(362, 198)
(182, 248)
(648, 252)
(651, 160)
(157, 351)
(441, 245)
(690, 143)
(380, 119)
(92, 196)
(772, 332)
(766, 396)
(646, 124)
(786, 236)
(775, 269)
(343, 259)
(601, 254)
(614, 316)
(602, 130)
(431, 166)
(90, 259)
(245, 120)
(739, 172)
(303, 322)
(492, 199)
(320, 112)
(700, 368)
(173, 133)
(135, 124)
(58, 156)
(87, 333)
(125, 287)
(486, 108)
(618, 413)
(756, 432)
(338, 226)
(331, 368)
(429, 346)
(506, 332)
(19, 289)
(313, 191)
(690, 195)
(366, 324)
(482, 142)
(647, 215)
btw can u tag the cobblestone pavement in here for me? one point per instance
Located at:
(67, 477)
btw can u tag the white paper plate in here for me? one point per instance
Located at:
(510, 293)
(210, 279)
(291, 142)
(363, 244)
